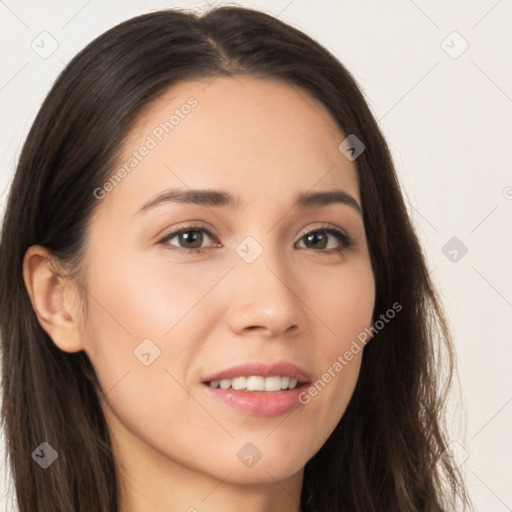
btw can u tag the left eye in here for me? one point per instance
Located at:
(192, 238)
(319, 235)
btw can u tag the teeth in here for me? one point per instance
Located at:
(272, 383)
(225, 383)
(256, 383)
(239, 383)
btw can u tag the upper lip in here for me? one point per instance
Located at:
(280, 368)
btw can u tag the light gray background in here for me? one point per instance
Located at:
(447, 118)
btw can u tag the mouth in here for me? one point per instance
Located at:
(259, 389)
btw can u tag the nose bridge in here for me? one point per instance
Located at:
(263, 287)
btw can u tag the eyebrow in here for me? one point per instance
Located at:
(218, 198)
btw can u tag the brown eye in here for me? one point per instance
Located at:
(189, 239)
(318, 239)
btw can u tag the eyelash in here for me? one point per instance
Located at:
(346, 241)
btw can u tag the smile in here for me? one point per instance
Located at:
(256, 383)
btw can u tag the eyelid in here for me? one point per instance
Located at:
(323, 227)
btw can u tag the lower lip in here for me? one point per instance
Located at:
(259, 403)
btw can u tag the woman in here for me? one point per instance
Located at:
(286, 360)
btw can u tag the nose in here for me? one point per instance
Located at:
(266, 298)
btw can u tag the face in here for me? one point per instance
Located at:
(180, 292)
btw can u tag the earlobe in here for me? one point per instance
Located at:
(48, 293)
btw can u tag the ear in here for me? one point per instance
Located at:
(50, 295)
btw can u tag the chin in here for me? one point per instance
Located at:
(266, 465)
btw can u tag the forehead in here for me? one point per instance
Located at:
(257, 138)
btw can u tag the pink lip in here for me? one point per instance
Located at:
(259, 403)
(281, 369)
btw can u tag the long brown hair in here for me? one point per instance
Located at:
(385, 455)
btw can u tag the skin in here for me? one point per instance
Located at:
(176, 446)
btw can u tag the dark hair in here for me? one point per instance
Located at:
(386, 452)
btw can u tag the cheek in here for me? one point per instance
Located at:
(345, 305)
(131, 300)
(127, 324)
(141, 314)
(344, 302)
